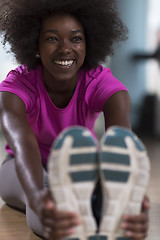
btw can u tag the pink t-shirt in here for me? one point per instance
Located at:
(46, 120)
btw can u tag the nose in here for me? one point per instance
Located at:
(65, 47)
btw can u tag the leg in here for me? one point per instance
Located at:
(10, 188)
(12, 193)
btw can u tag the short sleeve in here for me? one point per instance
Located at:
(19, 84)
(102, 86)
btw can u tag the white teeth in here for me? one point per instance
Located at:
(64, 63)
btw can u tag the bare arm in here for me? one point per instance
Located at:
(117, 110)
(56, 224)
(21, 139)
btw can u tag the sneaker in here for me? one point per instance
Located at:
(73, 172)
(124, 172)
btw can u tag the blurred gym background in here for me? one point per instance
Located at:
(136, 63)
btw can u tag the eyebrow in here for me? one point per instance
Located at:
(56, 31)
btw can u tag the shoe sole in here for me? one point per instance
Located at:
(124, 172)
(73, 171)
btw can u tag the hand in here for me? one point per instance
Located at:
(136, 227)
(56, 224)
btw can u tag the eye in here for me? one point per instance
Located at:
(52, 39)
(77, 39)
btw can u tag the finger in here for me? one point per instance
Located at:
(66, 224)
(59, 219)
(47, 233)
(46, 213)
(141, 218)
(62, 224)
(135, 236)
(145, 204)
(50, 205)
(62, 215)
(59, 234)
(137, 228)
(60, 228)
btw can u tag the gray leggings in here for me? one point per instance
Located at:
(12, 193)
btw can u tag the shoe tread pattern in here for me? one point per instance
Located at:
(124, 181)
(73, 171)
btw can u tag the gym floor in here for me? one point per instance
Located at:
(13, 224)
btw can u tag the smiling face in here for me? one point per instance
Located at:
(62, 48)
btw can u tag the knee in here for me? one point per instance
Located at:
(3, 191)
(8, 191)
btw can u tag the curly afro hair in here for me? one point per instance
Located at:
(20, 23)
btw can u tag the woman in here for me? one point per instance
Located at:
(60, 83)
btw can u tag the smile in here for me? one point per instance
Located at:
(64, 63)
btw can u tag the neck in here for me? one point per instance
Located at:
(59, 85)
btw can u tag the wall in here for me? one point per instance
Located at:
(131, 73)
(7, 61)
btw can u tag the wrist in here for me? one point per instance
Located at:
(35, 199)
(39, 198)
